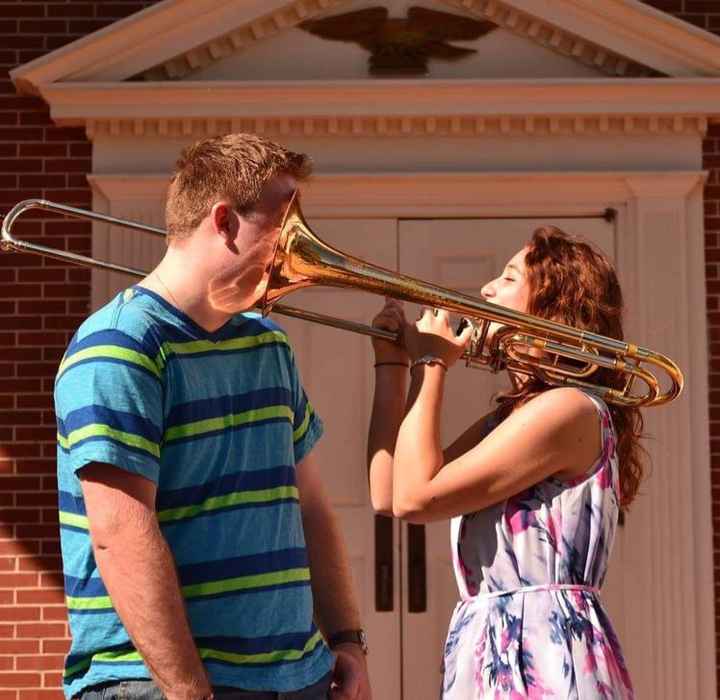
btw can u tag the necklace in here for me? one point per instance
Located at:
(167, 289)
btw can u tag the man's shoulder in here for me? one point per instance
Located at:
(124, 321)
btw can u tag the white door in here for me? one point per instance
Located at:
(336, 370)
(462, 255)
(403, 574)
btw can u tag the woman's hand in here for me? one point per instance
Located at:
(432, 335)
(391, 318)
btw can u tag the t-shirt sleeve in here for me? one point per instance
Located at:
(307, 425)
(109, 404)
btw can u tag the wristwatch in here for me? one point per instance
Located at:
(349, 636)
(429, 360)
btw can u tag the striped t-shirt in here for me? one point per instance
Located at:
(218, 421)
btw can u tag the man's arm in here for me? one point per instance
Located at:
(335, 604)
(139, 573)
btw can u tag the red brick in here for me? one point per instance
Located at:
(36, 531)
(41, 694)
(19, 680)
(41, 563)
(20, 613)
(39, 663)
(38, 466)
(19, 483)
(74, 9)
(18, 580)
(22, 9)
(20, 515)
(40, 630)
(19, 646)
(8, 564)
(55, 646)
(43, 26)
(50, 680)
(39, 433)
(14, 547)
(55, 613)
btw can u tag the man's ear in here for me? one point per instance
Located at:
(224, 222)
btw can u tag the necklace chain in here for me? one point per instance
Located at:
(167, 289)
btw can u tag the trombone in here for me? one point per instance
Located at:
(555, 353)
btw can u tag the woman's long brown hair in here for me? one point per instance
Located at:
(572, 282)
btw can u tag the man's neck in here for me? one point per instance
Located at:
(185, 291)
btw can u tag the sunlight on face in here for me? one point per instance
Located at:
(511, 289)
(243, 280)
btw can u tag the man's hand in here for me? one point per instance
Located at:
(350, 676)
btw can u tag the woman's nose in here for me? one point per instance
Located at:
(487, 291)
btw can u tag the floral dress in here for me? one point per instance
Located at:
(530, 623)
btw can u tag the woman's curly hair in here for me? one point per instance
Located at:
(572, 282)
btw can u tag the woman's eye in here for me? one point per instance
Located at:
(509, 279)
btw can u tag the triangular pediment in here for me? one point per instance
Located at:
(334, 43)
(209, 39)
(423, 39)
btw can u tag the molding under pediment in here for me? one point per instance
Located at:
(503, 14)
(389, 108)
(399, 126)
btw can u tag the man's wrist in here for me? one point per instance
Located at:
(356, 637)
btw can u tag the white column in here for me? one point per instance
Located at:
(135, 198)
(669, 555)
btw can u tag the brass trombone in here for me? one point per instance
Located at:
(564, 356)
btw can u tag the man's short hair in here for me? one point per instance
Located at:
(233, 167)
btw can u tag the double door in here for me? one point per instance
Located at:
(403, 573)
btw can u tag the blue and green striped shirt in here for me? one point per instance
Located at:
(218, 421)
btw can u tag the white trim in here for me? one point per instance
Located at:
(280, 102)
(138, 42)
(157, 34)
(634, 29)
(422, 194)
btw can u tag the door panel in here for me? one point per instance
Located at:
(462, 255)
(336, 370)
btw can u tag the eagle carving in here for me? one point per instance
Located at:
(402, 46)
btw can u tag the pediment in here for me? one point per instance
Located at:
(297, 54)
(281, 46)
(209, 39)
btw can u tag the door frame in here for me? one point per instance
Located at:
(660, 260)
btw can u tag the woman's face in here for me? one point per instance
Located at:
(511, 288)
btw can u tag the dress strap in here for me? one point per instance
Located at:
(542, 587)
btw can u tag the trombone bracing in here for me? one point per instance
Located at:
(555, 353)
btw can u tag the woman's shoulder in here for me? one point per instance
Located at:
(568, 403)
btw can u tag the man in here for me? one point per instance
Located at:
(198, 542)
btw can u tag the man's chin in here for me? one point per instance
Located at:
(232, 301)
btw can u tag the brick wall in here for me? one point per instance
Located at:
(41, 302)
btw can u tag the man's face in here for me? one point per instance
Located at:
(244, 278)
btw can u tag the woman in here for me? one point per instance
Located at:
(534, 489)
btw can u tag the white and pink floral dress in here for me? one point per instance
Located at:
(530, 623)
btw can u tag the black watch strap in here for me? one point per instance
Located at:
(349, 637)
